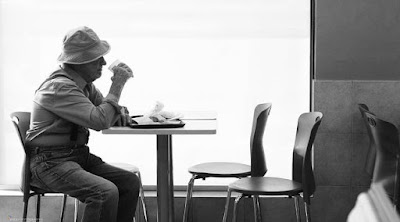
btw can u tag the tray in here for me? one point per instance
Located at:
(157, 125)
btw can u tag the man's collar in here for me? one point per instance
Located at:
(75, 76)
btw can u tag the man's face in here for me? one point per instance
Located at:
(92, 70)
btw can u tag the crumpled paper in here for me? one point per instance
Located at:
(157, 114)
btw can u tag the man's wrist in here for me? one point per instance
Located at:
(119, 79)
(116, 89)
(112, 98)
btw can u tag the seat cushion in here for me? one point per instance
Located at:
(266, 186)
(221, 169)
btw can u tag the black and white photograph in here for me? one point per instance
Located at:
(199, 111)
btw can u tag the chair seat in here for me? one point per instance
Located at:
(266, 186)
(221, 169)
(126, 166)
(37, 190)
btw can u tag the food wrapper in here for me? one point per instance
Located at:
(157, 114)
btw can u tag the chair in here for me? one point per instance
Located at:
(21, 122)
(386, 143)
(135, 170)
(302, 175)
(370, 160)
(231, 169)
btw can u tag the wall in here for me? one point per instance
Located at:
(357, 61)
(357, 40)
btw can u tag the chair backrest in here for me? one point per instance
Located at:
(364, 108)
(302, 167)
(258, 164)
(370, 160)
(21, 122)
(387, 146)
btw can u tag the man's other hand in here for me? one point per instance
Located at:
(124, 118)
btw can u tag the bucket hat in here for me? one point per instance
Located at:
(82, 45)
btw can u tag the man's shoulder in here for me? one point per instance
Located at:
(60, 76)
(57, 80)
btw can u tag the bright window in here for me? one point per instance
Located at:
(210, 55)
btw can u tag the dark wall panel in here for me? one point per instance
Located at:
(357, 40)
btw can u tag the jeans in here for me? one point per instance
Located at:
(110, 193)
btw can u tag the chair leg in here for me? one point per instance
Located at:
(228, 198)
(138, 211)
(307, 210)
(76, 210)
(64, 201)
(142, 200)
(136, 217)
(235, 207)
(257, 208)
(25, 210)
(188, 201)
(38, 208)
(297, 208)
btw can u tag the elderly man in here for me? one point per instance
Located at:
(65, 106)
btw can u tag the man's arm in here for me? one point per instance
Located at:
(66, 100)
(121, 74)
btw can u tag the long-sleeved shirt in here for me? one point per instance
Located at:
(65, 101)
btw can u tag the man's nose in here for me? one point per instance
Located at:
(103, 61)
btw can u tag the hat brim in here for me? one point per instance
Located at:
(89, 55)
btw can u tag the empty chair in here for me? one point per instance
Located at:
(231, 169)
(371, 153)
(21, 122)
(386, 143)
(142, 204)
(302, 174)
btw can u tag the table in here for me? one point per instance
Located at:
(195, 124)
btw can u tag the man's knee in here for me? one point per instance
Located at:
(108, 193)
(130, 185)
(133, 183)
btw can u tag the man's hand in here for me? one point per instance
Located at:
(122, 72)
(125, 118)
